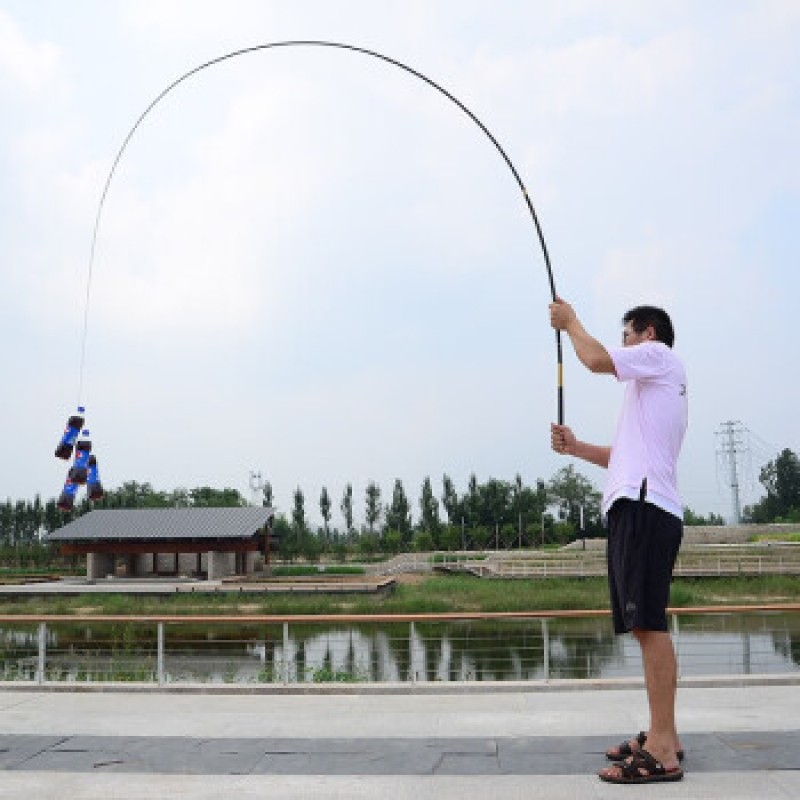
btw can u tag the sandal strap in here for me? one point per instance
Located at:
(624, 749)
(642, 760)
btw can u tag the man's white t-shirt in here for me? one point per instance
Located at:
(651, 426)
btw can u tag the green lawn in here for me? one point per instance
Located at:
(432, 594)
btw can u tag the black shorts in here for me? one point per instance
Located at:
(643, 543)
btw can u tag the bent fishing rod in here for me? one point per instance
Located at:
(338, 46)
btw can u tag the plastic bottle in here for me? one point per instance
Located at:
(80, 468)
(93, 485)
(67, 441)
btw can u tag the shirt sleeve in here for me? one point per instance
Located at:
(640, 362)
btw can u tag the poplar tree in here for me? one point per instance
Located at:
(398, 515)
(325, 509)
(373, 505)
(429, 508)
(346, 507)
(298, 512)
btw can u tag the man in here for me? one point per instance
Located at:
(644, 513)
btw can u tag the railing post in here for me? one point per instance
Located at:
(676, 642)
(40, 668)
(160, 655)
(411, 652)
(285, 653)
(546, 648)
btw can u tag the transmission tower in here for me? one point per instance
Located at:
(256, 485)
(732, 444)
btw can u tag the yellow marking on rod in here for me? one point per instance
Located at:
(560, 374)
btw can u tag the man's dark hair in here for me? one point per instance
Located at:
(642, 317)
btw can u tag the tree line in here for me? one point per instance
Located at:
(25, 522)
(484, 514)
(491, 514)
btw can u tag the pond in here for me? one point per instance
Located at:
(497, 650)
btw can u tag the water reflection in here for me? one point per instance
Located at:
(397, 652)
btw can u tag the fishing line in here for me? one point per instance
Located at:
(339, 46)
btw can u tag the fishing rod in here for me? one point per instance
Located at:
(338, 46)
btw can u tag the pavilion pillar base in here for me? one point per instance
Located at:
(98, 565)
(219, 565)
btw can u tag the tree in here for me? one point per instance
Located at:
(690, 518)
(571, 491)
(346, 507)
(429, 511)
(392, 541)
(471, 503)
(493, 506)
(7, 522)
(398, 514)
(267, 492)
(287, 538)
(298, 512)
(180, 498)
(781, 479)
(310, 546)
(530, 505)
(516, 500)
(142, 495)
(373, 505)
(52, 517)
(423, 542)
(20, 523)
(325, 509)
(36, 516)
(450, 501)
(207, 497)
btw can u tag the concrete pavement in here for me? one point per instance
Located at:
(741, 742)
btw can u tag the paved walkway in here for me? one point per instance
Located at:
(741, 742)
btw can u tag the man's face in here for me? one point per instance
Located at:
(631, 337)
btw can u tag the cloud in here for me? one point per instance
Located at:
(28, 66)
(295, 237)
(633, 274)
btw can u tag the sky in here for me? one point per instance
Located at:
(312, 267)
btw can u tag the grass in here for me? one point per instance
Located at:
(432, 594)
(298, 570)
(743, 590)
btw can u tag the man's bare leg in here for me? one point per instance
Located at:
(661, 681)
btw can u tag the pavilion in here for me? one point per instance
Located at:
(210, 543)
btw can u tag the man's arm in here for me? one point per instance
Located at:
(563, 441)
(590, 352)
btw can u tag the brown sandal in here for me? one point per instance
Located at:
(641, 767)
(624, 749)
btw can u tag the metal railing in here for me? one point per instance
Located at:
(46, 650)
(692, 565)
